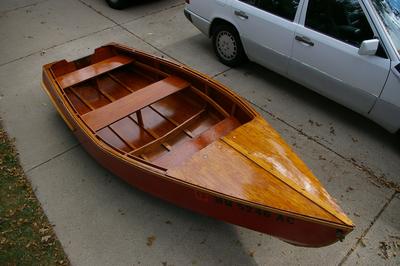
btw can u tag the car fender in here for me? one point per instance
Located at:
(386, 110)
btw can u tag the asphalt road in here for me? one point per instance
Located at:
(102, 221)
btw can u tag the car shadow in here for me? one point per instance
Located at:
(137, 3)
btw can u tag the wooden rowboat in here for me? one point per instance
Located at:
(181, 136)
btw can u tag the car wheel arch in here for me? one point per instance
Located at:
(220, 21)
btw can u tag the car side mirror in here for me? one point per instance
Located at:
(368, 47)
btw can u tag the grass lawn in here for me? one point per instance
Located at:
(26, 236)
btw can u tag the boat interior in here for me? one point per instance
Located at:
(145, 108)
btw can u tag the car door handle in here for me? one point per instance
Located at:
(241, 14)
(304, 39)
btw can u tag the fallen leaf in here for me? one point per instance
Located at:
(46, 238)
(150, 240)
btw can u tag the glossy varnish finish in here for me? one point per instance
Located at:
(181, 136)
(134, 102)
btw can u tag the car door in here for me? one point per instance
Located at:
(325, 54)
(266, 29)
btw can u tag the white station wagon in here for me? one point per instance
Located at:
(347, 50)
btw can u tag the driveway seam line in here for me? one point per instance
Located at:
(354, 247)
(57, 45)
(129, 21)
(127, 30)
(149, 14)
(21, 7)
(95, 32)
(154, 47)
(52, 158)
(221, 73)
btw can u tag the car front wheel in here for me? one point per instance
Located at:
(227, 45)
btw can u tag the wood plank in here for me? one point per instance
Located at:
(210, 101)
(109, 137)
(221, 168)
(77, 103)
(90, 94)
(185, 150)
(139, 121)
(114, 111)
(94, 70)
(261, 144)
(151, 69)
(203, 123)
(105, 94)
(156, 136)
(171, 133)
(172, 121)
(180, 106)
(111, 88)
(121, 138)
(153, 121)
(120, 82)
(129, 131)
(73, 90)
(130, 79)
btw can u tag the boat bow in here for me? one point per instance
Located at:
(253, 164)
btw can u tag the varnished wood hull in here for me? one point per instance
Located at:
(296, 229)
(290, 229)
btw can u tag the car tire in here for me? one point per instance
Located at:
(228, 46)
(118, 4)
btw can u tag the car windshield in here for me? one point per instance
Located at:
(389, 12)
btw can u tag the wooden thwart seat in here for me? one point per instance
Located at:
(91, 71)
(133, 102)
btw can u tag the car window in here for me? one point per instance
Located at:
(389, 13)
(282, 8)
(340, 19)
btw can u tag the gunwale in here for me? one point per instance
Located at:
(160, 171)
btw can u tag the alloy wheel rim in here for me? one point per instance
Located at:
(226, 45)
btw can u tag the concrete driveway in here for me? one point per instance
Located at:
(102, 221)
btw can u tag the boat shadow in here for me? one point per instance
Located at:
(184, 236)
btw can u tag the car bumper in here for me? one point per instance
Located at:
(202, 24)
